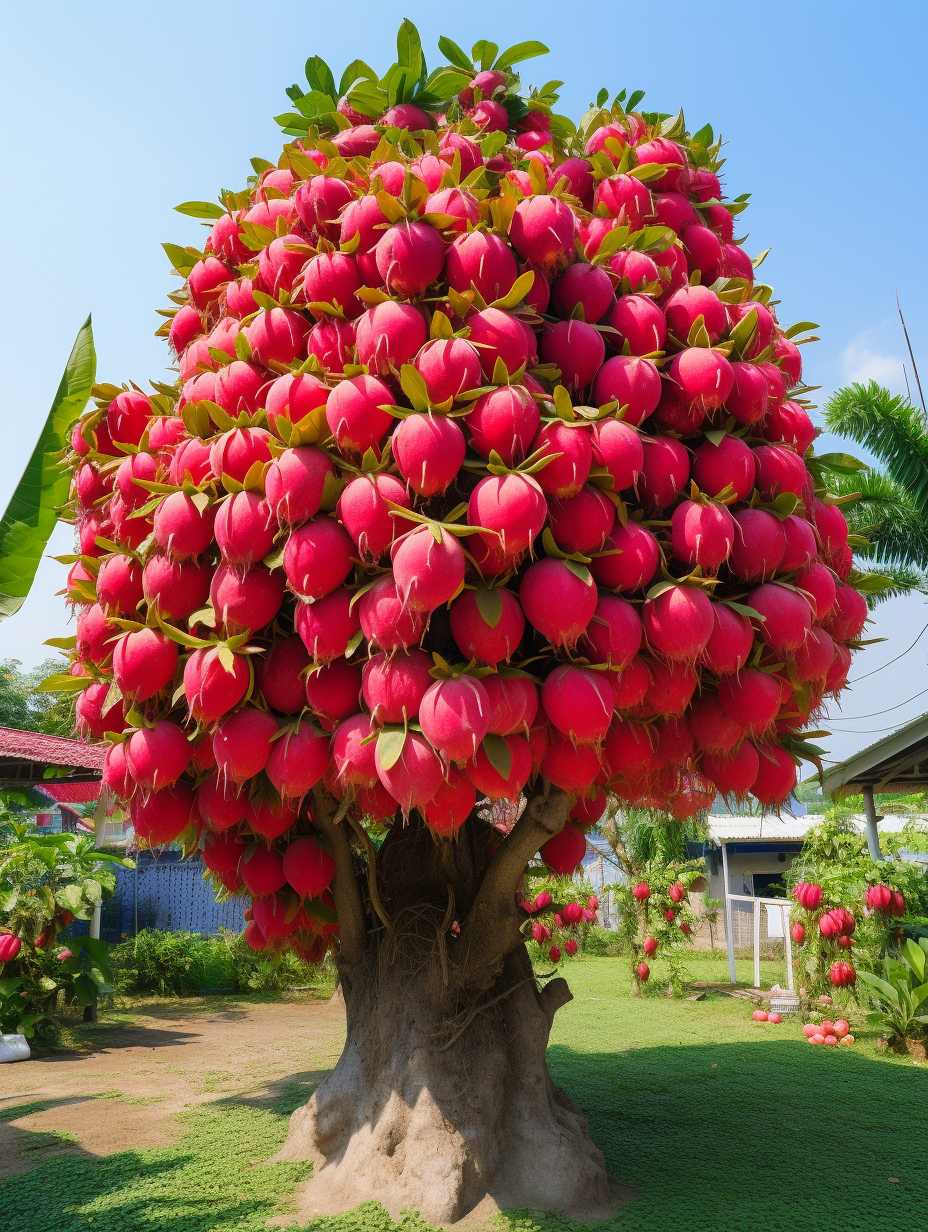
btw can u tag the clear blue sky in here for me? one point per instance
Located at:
(114, 113)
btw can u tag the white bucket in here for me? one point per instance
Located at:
(14, 1048)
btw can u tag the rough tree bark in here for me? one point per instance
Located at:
(442, 1101)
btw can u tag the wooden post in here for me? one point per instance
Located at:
(788, 941)
(757, 906)
(873, 836)
(729, 926)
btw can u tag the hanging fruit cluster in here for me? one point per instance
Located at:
(488, 459)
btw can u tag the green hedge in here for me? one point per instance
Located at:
(171, 964)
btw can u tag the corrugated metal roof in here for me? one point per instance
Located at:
(26, 746)
(770, 828)
(73, 793)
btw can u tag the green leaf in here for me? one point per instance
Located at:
(357, 70)
(409, 48)
(519, 52)
(841, 463)
(704, 136)
(489, 604)
(319, 76)
(390, 744)
(32, 513)
(454, 53)
(69, 896)
(499, 753)
(634, 100)
(486, 52)
(200, 209)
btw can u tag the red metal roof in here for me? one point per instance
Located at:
(72, 793)
(52, 750)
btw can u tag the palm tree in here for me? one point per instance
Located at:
(889, 520)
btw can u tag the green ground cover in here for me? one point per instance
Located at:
(713, 1121)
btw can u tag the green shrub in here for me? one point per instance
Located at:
(172, 964)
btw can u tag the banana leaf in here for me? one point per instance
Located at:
(33, 509)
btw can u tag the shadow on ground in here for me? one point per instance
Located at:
(729, 1136)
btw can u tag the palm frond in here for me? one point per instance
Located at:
(891, 428)
(905, 580)
(885, 515)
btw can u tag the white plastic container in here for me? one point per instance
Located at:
(14, 1048)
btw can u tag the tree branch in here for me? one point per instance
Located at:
(491, 929)
(554, 994)
(352, 930)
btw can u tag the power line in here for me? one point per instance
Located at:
(891, 661)
(855, 718)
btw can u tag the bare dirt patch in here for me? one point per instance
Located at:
(124, 1093)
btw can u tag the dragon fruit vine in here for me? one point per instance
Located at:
(488, 470)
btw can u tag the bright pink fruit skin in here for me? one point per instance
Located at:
(144, 663)
(476, 637)
(297, 762)
(211, 690)
(571, 450)
(500, 336)
(634, 383)
(512, 508)
(542, 230)
(559, 604)
(327, 625)
(317, 558)
(354, 415)
(578, 702)
(638, 321)
(388, 336)
(678, 622)
(618, 448)
(505, 420)
(409, 257)
(243, 529)
(295, 483)
(759, 545)
(366, 511)
(702, 534)
(176, 589)
(581, 522)
(386, 620)
(246, 602)
(181, 529)
(630, 559)
(730, 642)
(415, 776)
(292, 398)
(481, 260)
(427, 573)
(455, 716)
(394, 685)
(429, 451)
(728, 465)
(157, 756)
(490, 782)
(577, 349)
(664, 473)
(449, 367)
(586, 286)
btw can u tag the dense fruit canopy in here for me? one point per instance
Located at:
(488, 463)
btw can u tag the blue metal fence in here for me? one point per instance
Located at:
(167, 893)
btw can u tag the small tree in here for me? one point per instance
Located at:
(655, 916)
(835, 857)
(46, 882)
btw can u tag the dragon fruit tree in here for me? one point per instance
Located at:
(487, 475)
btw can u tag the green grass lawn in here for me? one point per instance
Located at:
(714, 1121)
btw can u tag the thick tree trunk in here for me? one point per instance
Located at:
(442, 1101)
